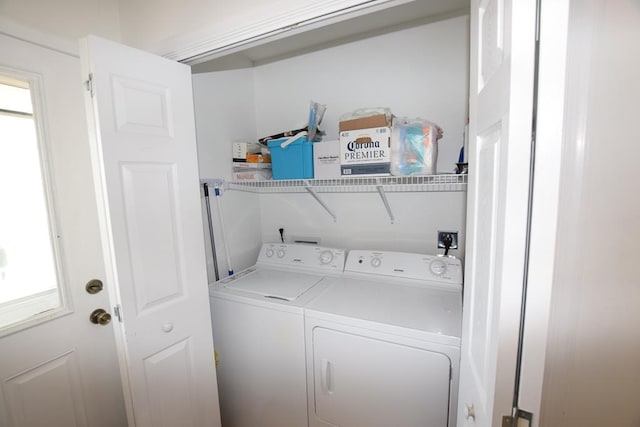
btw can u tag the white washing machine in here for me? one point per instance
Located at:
(383, 343)
(258, 334)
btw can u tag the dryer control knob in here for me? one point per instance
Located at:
(438, 267)
(269, 253)
(326, 257)
(375, 262)
(280, 253)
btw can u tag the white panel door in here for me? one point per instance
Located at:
(145, 164)
(62, 371)
(501, 102)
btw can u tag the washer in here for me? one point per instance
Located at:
(258, 333)
(383, 342)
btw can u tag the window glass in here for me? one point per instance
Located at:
(28, 275)
(15, 98)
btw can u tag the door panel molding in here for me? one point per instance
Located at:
(154, 234)
(48, 392)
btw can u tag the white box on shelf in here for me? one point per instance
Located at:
(251, 175)
(241, 166)
(326, 159)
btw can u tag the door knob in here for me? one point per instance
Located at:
(100, 317)
(469, 412)
(94, 286)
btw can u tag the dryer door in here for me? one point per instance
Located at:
(365, 382)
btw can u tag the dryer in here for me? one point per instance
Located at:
(383, 342)
(258, 333)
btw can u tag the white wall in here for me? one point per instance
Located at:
(362, 221)
(224, 105)
(66, 18)
(417, 72)
(593, 373)
(225, 111)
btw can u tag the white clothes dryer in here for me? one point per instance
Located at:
(258, 334)
(383, 342)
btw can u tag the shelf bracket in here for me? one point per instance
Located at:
(311, 191)
(383, 196)
(215, 183)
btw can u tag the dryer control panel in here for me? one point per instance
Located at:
(302, 255)
(432, 268)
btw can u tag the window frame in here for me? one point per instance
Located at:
(35, 83)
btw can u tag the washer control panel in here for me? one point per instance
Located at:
(406, 265)
(302, 255)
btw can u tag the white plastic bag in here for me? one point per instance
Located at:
(414, 146)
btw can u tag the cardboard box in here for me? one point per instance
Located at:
(365, 151)
(368, 122)
(250, 152)
(326, 159)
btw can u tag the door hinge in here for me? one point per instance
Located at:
(519, 419)
(89, 85)
(117, 311)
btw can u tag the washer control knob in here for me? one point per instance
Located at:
(438, 267)
(326, 257)
(375, 262)
(280, 253)
(269, 253)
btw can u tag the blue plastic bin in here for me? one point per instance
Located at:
(292, 158)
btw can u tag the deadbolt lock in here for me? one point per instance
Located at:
(94, 286)
(100, 317)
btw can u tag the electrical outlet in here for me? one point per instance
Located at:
(442, 235)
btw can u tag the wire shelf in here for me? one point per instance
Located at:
(426, 183)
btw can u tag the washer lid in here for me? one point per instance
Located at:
(276, 284)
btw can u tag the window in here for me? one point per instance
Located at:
(29, 280)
